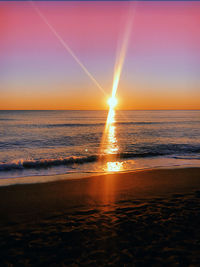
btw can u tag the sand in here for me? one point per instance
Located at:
(145, 218)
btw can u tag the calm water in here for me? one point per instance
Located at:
(56, 142)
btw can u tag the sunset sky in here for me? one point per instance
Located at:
(161, 68)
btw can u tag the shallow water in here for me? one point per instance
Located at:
(56, 142)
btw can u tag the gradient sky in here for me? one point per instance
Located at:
(161, 68)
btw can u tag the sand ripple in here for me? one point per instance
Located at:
(155, 232)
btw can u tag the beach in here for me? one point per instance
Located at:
(100, 133)
(142, 218)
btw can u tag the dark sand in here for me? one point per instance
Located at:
(146, 218)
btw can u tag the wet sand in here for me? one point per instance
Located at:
(146, 218)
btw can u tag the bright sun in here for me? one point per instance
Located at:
(112, 102)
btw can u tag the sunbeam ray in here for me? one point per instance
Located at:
(67, 48)
(109, 144)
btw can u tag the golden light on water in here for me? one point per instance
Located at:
(114, 166)
(112, 147)
(109, 145)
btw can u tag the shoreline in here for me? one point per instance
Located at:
(49, 178)
(56, 196)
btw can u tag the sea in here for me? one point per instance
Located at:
(39, 146)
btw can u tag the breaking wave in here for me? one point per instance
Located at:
(174, 151)
(43, 163)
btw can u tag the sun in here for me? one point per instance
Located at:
(112, 102)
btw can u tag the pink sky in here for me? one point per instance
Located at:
(161, 66)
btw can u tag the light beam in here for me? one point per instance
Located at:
(112, 102)
(67, 48)
(109, 141)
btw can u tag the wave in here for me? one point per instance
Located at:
(99, 124)
(43, 163)
(175, 151)
(65, 125)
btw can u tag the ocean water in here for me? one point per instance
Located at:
(35, 143)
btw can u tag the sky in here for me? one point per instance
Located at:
(161, 67)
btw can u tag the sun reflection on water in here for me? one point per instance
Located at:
(109, 144)
(114, 166)
(111, 147)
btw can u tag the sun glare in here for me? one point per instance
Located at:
(114, 166)
(109, 144)
(112, 102)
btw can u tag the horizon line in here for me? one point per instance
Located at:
(101, 1)
(99, 109)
